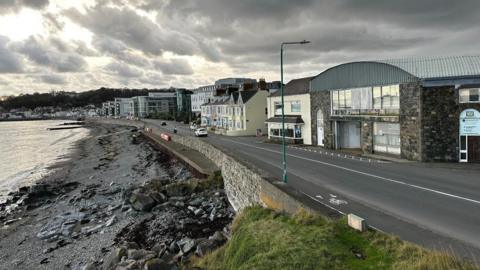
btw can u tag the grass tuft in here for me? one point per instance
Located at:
(265, 239)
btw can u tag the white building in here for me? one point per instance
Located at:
(123, 107)
(200, 96)
(298, 124)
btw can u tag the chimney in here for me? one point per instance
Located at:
(262, 84)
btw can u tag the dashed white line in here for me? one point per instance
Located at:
(366, 174)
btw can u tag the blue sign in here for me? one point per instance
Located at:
(470, 123)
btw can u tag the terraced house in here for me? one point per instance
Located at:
(297, 113)
(424, 109)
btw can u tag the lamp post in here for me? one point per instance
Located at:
(284, 151)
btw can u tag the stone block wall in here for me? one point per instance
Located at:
(320, 100)
(366, 134)
(440, 123)
(410, 121)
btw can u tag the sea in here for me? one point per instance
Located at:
(28, 151)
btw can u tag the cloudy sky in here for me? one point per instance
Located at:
(86, 44)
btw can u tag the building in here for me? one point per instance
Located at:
(123, 107)
(239, 83)
(200, 96)
(108, 108)
(155, 103)
(297, 113)
(242, 113)
(273, 87)
(423, 109)
(184, 102)
(223, 88)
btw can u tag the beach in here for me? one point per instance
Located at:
(114, 192)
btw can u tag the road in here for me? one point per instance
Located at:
(435, 205)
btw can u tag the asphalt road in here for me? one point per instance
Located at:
(435, 205)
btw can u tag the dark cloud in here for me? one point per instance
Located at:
(120, 51)
(138, 32)
(53, 53)
(52, 79)
(237, 37)
(123, 70)
(15, 5)
(9, 61)
(174, 67)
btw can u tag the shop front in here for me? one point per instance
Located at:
(294, 129)
(470, 136)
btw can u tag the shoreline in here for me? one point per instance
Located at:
(40, 172)
(93, 206)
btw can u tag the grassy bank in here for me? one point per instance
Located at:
(264, 239)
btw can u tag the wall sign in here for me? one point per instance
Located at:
(470, 123)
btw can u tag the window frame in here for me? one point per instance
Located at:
(469, 96)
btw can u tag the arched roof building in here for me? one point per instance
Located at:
(428, 70)
(409, 108)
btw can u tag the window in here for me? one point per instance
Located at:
(469, 95)
(377, 97)
(295, 106)
(386, 138)
(335, 100)
(277, 132)
(278, 108)
(348, 99)
(341, 99)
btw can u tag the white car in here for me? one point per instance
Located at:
(201, 132)
(193, 126)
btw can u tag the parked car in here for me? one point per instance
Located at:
(193, 126)
(201, 132)
(163, 123)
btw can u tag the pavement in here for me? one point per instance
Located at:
(194, 159)
(434, 205)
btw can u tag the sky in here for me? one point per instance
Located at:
(80, 45)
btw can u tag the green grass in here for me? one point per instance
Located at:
(264, 239)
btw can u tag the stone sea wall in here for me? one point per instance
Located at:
(245, 185)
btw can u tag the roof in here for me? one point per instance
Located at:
(290, 119)
(247, 95)
(295, 87)
(384, 72)
(439, 67)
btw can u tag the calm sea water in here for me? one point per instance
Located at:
(27, 149)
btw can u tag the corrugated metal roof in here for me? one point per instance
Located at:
(439, 67)
(385, 72)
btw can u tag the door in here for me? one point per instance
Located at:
(320, 135)
(349, 133)
(474, 148)
(320, 124)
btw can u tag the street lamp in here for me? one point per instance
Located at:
(284, 151)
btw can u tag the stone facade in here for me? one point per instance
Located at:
(366, 134)
(320, 100)
(410, 121)
(440, 123)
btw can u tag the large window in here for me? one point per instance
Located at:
(295, 106)
(289, 133)
(386, 138)
(470, 95)
(368, 100)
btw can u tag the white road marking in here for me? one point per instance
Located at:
(337, 201)
(366, 174)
